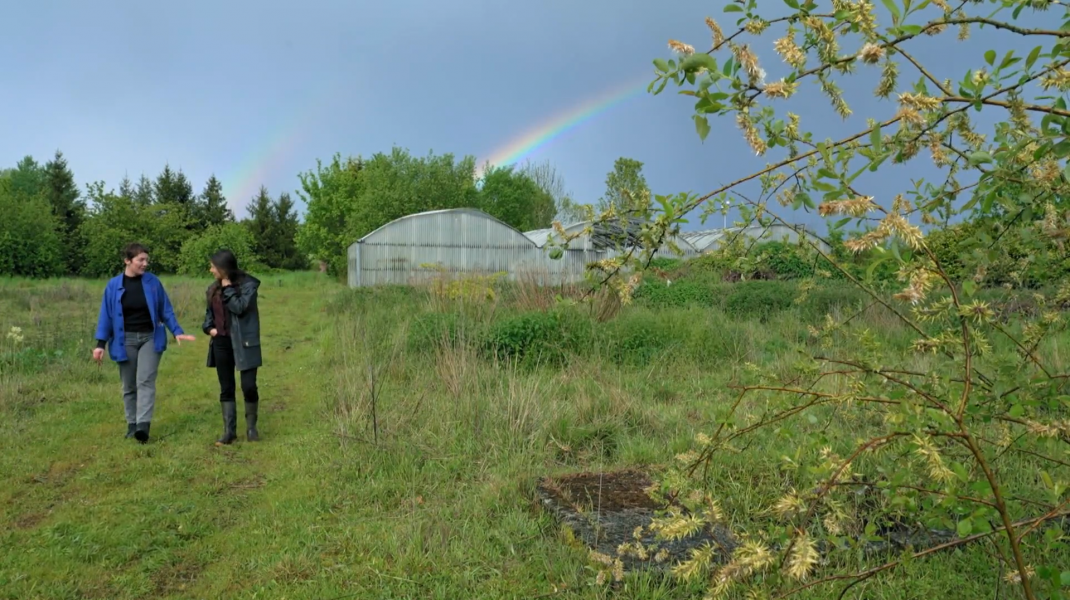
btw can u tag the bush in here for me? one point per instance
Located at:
(787, 261)
(659, 294)
(760, 298)
(197, 251)
(533, 333)
(30, 245)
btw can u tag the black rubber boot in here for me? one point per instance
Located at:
(230, 423)
(250, 422)
(141, 432)
(130, 428)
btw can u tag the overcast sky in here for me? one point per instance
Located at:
(255, 92)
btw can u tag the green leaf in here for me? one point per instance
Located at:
(1032, 58)
(702, 126)
(1064, 579)
(697, 60)
(733, 8)
(792, 4)
(990, 57)
(661, 64)
(964, 527)
(1009, 60)
(960, 472)
(1062, 149)
(806, 200)
(969, 288)
(911, 29)
(980, 157)
(892, 8)
(875, 137)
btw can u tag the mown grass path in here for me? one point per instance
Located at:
(93, 515)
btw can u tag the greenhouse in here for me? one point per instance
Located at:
(417, 248)
(709, 239)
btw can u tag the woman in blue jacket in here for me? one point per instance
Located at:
(133, 312)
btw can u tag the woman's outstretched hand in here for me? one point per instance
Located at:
(184, 338)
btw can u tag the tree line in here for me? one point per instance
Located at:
(53, 228)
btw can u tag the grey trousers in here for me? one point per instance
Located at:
(138, 373)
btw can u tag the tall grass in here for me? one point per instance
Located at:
(404, 431)
(522, 389)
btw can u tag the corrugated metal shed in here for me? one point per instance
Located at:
(708, 239)
(416, 248)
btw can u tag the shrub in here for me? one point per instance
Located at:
(684, 292)
(787, 261)
(30, 244)
(759, 298)
(197, 251)
(514, 338)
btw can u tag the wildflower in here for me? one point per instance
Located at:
(871, 53)
(756, 26)
(918, 101)
(937, 469)
(910, 116)
(15, 335)
(1015, 577)
(789, 505)
(681, 48)
(749, 61)
(780, 89)
(789, 51)
(803, 558)
(750, 133)
(715, 29)
(855, 207)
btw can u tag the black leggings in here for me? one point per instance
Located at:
(224, 367)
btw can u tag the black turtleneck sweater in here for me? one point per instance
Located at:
(136, 316)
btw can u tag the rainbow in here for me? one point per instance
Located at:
(559, 124)
(272, 154)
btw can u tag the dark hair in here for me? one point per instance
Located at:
(132, 251)
(225, 261)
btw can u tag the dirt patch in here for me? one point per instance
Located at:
(607, 492)
(30, 520)
(603, 510)
(176, 578)
(275, 407)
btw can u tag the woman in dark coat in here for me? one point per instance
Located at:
(232, 319)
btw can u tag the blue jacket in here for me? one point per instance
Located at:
(110, 321)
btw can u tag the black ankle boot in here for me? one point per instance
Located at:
(230, 423)
(141, 432)
(250, 422)
(130, 428)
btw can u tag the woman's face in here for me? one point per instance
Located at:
(216, 272)
(138, 265)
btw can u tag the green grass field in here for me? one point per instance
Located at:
(396, 461)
